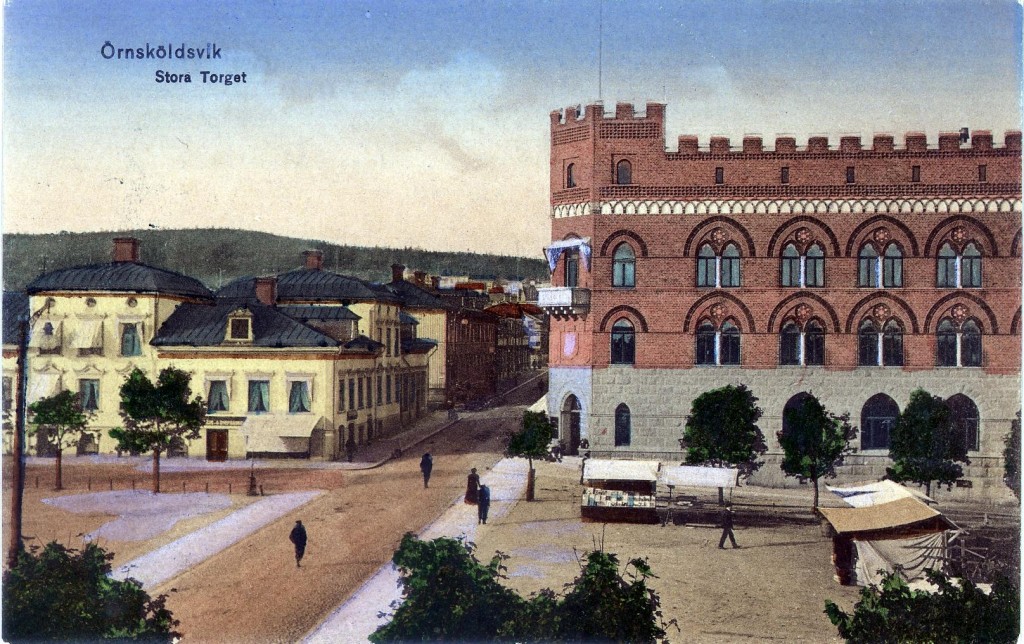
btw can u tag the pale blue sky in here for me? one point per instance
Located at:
(425, 124)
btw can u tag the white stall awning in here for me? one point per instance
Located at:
(861, 496)
(596, 469)
(279, 433)
(694, 476)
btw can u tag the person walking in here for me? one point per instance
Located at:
(472, 486)
(426, 466)
(298, 537)
(483, 504)
(727, 521)
(350, 448)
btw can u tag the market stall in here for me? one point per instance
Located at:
(688, 499)
(617, 490)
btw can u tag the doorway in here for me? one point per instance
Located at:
(217, 445)
(570, 420)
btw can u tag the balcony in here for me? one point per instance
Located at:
(564, 301)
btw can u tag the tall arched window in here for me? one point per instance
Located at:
(623, 430)
(130, 343)
(892, 344)
(970, 267)
(623, 173)
(572, 269)
(789, 344)
(814, 266)
(892, 267)
(867, 342)
(706, 343)
(718, 271)
(730, 273)
(945, 274)
(623, 342)
(802, 347)
(790, 266)
(958, 347)
(966, 420)
(814, 344)
(570, 175)
(945, 344)
(718, 346)
(880, 347)
(803, 271)
(868, 267)
(876, 420)
(707, 267)
(624, 266)
(958, 270)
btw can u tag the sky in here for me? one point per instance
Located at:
(425, 124)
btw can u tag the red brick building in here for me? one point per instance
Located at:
(857, 272)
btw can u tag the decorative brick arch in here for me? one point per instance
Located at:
(973, 302)
(1015, 246)
(623, 311)
(622, 235)
(708, 224)
(741, 310)
(858, 310)
(861, 232)
(941, 229)
(788, 227)
(820, 304)
(1015, 323)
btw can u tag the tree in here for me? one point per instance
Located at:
(1011, 457)
(62, 417)
(955, 612)
(154, 414)
(66, 595)
(814, 441)
(925, 445)
(531, 442)
(722, 430)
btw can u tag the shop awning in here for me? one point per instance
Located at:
(608, 470)
(555, 249)
(861, 496)
(693, 476)
(902, 513)
(279, 433)
(88, 335)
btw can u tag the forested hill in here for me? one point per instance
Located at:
(216, 256)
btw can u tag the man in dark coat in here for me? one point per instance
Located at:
(472, 486)
(727, 519)
(298, 537)
(426, 466)
(483, 504)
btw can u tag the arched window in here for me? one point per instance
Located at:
(945, 344)
(892, 267)
(570, 175)
(623, 342)
(622, 426)
(880, 347)
(958, 348)
(970, 344)
(730, 272)
(130, 343)
(970, 267)
(718, 271)
(958, 270)
(814, 266)
(867, 341)
(623, 173)
(572, 269)
(707, 267)
(804, 271)
(790, 266)
(718, 347)
(966, 420)
(802, 347)
(945, 274)
(876, 420)
(867, 267)
(892, 344)
(624, 266)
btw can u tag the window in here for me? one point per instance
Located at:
(624, 266)
(784, 175)
(803, 270)
(876, 420)
(867, 267)
(714, 271)
(892, 344)
(966, 419)
(851, 174)
(958, 348)
(622, 426)
(298, 397)
(47, 338)
(956, 271)
(387, 388)
(89, 394)
(946, 271)
(572, 269)
(892, 267)
(361, 398)
(341, 396)
(790, 266)
(730, 266)
(130, 343)
(570, 175)
(387, 345)
(88, 337)
(623, 173)
(719, 176)
(707, 272)
(982, 173)
(380, 390)
(718, 347)
(880, 347)
(351, 393)
(239, 329)
(8, 394)
(915, 174)
(875, 271)
(259, 396)
(802, 347)
(217, 399)
(369, 391)
(867, 342)
(623, 342)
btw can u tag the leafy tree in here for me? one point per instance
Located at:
(154, 414)
(1011, 457)
(447, 594)
(66, 595)
(925, 445)
(814, 441)
(531, 442)
(722, 430)
(956, 612)
(62, 417)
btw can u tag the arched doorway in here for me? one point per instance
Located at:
(793, 403)
(570, 423)
(966, 419)
(876, 420)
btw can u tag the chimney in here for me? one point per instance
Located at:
(313, 260)
(397, 272)
(266, 290)
(126, 249)
(420, 276)
(435, 281)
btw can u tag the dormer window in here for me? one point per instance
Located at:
(240, 326)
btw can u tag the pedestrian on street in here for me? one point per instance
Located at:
(350, 447)
(727, 520)
(426, 465)
(472, 486)
(298, 537)
(483, 504)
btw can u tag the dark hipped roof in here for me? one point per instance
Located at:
(15, 310)
(363, 343)
(416, 297)
(405, 318)
(201, 325)
(307, 284)
(418, 345)
(120, 277)
(322, 313)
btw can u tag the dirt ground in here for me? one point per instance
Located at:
(772, 588)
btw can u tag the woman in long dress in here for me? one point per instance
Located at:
(472, 487)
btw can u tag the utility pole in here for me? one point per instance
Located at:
(18, 447)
